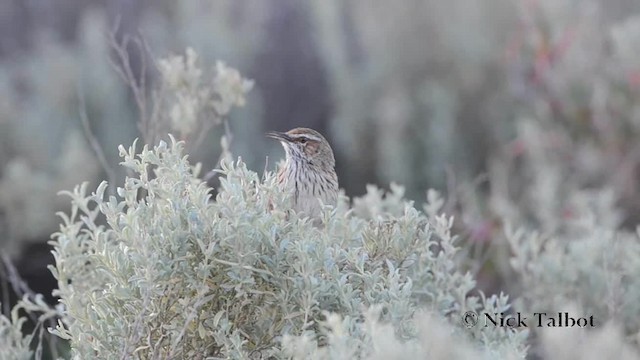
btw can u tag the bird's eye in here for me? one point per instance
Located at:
(303, 140)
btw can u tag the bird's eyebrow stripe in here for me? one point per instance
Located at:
(305, 136)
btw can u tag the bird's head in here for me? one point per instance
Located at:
(305, 145)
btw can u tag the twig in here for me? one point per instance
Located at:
(125, 71)
(229, 137)
(21, 288)
(266, 168)
(84, 118)
(6, 307)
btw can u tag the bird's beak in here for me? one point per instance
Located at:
(280, 136)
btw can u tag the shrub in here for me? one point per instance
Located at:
(173, 274)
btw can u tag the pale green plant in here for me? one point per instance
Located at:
(435, 339)
(194, 100)
(174, 274)
(18, 344)
(14, 344)
(591, 264)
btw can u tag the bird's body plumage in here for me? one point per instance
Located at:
(308, 172)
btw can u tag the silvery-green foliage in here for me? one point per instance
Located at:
(567, 246)
(566, 242)
(14, 344)
(435, 339)
(165, 271)
(191, 96)
(591, 264)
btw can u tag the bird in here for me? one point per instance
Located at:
(308, 173)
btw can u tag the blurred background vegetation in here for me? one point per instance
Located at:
(510, 107)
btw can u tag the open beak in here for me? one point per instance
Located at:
(280, 136)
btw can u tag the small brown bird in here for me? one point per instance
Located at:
(308, 172)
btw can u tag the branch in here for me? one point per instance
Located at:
(95, 145)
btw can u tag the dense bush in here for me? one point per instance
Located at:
(174, 274)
